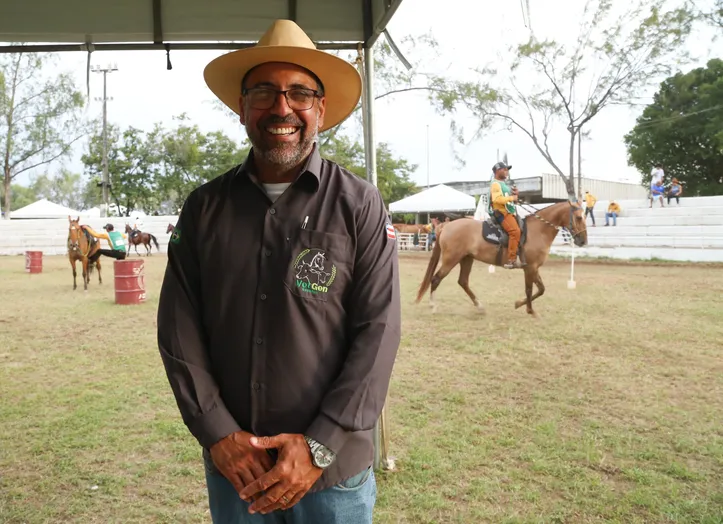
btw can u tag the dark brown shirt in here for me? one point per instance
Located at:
(283, 317)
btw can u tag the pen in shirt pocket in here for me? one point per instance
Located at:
(306, 220)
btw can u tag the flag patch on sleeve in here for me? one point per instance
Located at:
(390, 232)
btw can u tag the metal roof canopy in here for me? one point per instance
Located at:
(90, 25)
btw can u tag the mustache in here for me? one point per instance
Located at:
(291, 120)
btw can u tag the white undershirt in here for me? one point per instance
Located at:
(276, 190)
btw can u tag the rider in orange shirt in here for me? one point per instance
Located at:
(502, 200)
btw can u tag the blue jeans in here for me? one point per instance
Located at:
(614, 216)
(350, 502)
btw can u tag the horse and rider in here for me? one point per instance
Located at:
(502, 237)
(136, 236)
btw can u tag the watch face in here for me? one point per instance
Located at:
(323, 457)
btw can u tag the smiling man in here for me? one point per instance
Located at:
(279, 315)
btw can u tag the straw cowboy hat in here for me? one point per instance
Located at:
(285, 41)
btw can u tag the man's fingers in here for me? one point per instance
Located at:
(276, 441)
(257, 469)
(295, 500)
(247, 478)
(235, 480)
(272, 496)
(262, 483)
(266, 461)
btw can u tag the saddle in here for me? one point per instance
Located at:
(493, 233)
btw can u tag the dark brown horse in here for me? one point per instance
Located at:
(461, 242)
(82, 246)
(171, 228)
(141, 238)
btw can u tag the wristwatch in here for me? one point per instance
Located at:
(321, 456)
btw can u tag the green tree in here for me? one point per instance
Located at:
(683, 130)
(22, 196)
(65, 188)
(393, 174)
(134, 163)
(39, 116)
(344, 151)
(614, 58)
(92, 194)
(711, 14)
(191, 157)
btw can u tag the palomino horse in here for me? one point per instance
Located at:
(144, 238)
(82, 246)
(461, 243)
(411, 228)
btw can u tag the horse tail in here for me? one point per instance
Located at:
(155, 241)
(436, 253)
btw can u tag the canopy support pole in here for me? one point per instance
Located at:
(380, 436)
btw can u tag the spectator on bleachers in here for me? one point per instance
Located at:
(613, 212)
(675, 190)
(590, 203)
(657, 190)
(657, 174)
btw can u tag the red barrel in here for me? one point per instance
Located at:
(130, 285)
(33, 261)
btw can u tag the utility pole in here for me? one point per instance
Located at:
(106, 182)
(427, 156)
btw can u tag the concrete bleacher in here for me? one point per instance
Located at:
(51, 235)
(689, 231)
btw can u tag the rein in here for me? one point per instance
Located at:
(570, 229)
(82, 232)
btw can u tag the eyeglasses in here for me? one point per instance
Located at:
(298, 99)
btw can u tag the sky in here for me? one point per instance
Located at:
(470, 34)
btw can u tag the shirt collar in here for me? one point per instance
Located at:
(311, 169)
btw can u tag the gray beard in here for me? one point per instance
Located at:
(286, 156)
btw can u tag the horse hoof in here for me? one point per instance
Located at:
(520, 303)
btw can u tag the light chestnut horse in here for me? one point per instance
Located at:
(82, 246)
(411, 228)
(461, 242)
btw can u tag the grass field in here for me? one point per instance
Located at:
(609, 408)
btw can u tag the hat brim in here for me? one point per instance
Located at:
(341, 80)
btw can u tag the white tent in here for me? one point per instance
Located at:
(45, 209)
(437, 199)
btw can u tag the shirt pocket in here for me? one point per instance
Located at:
(318, 265)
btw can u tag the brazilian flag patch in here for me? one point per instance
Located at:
(176, 236)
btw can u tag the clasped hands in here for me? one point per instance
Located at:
(242, 458)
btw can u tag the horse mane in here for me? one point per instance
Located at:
(91, 241)
(550, 209)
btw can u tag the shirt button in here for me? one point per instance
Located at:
(263, 296)
(267, 252)
(256, 386)
(259, 340)
(272, 211)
